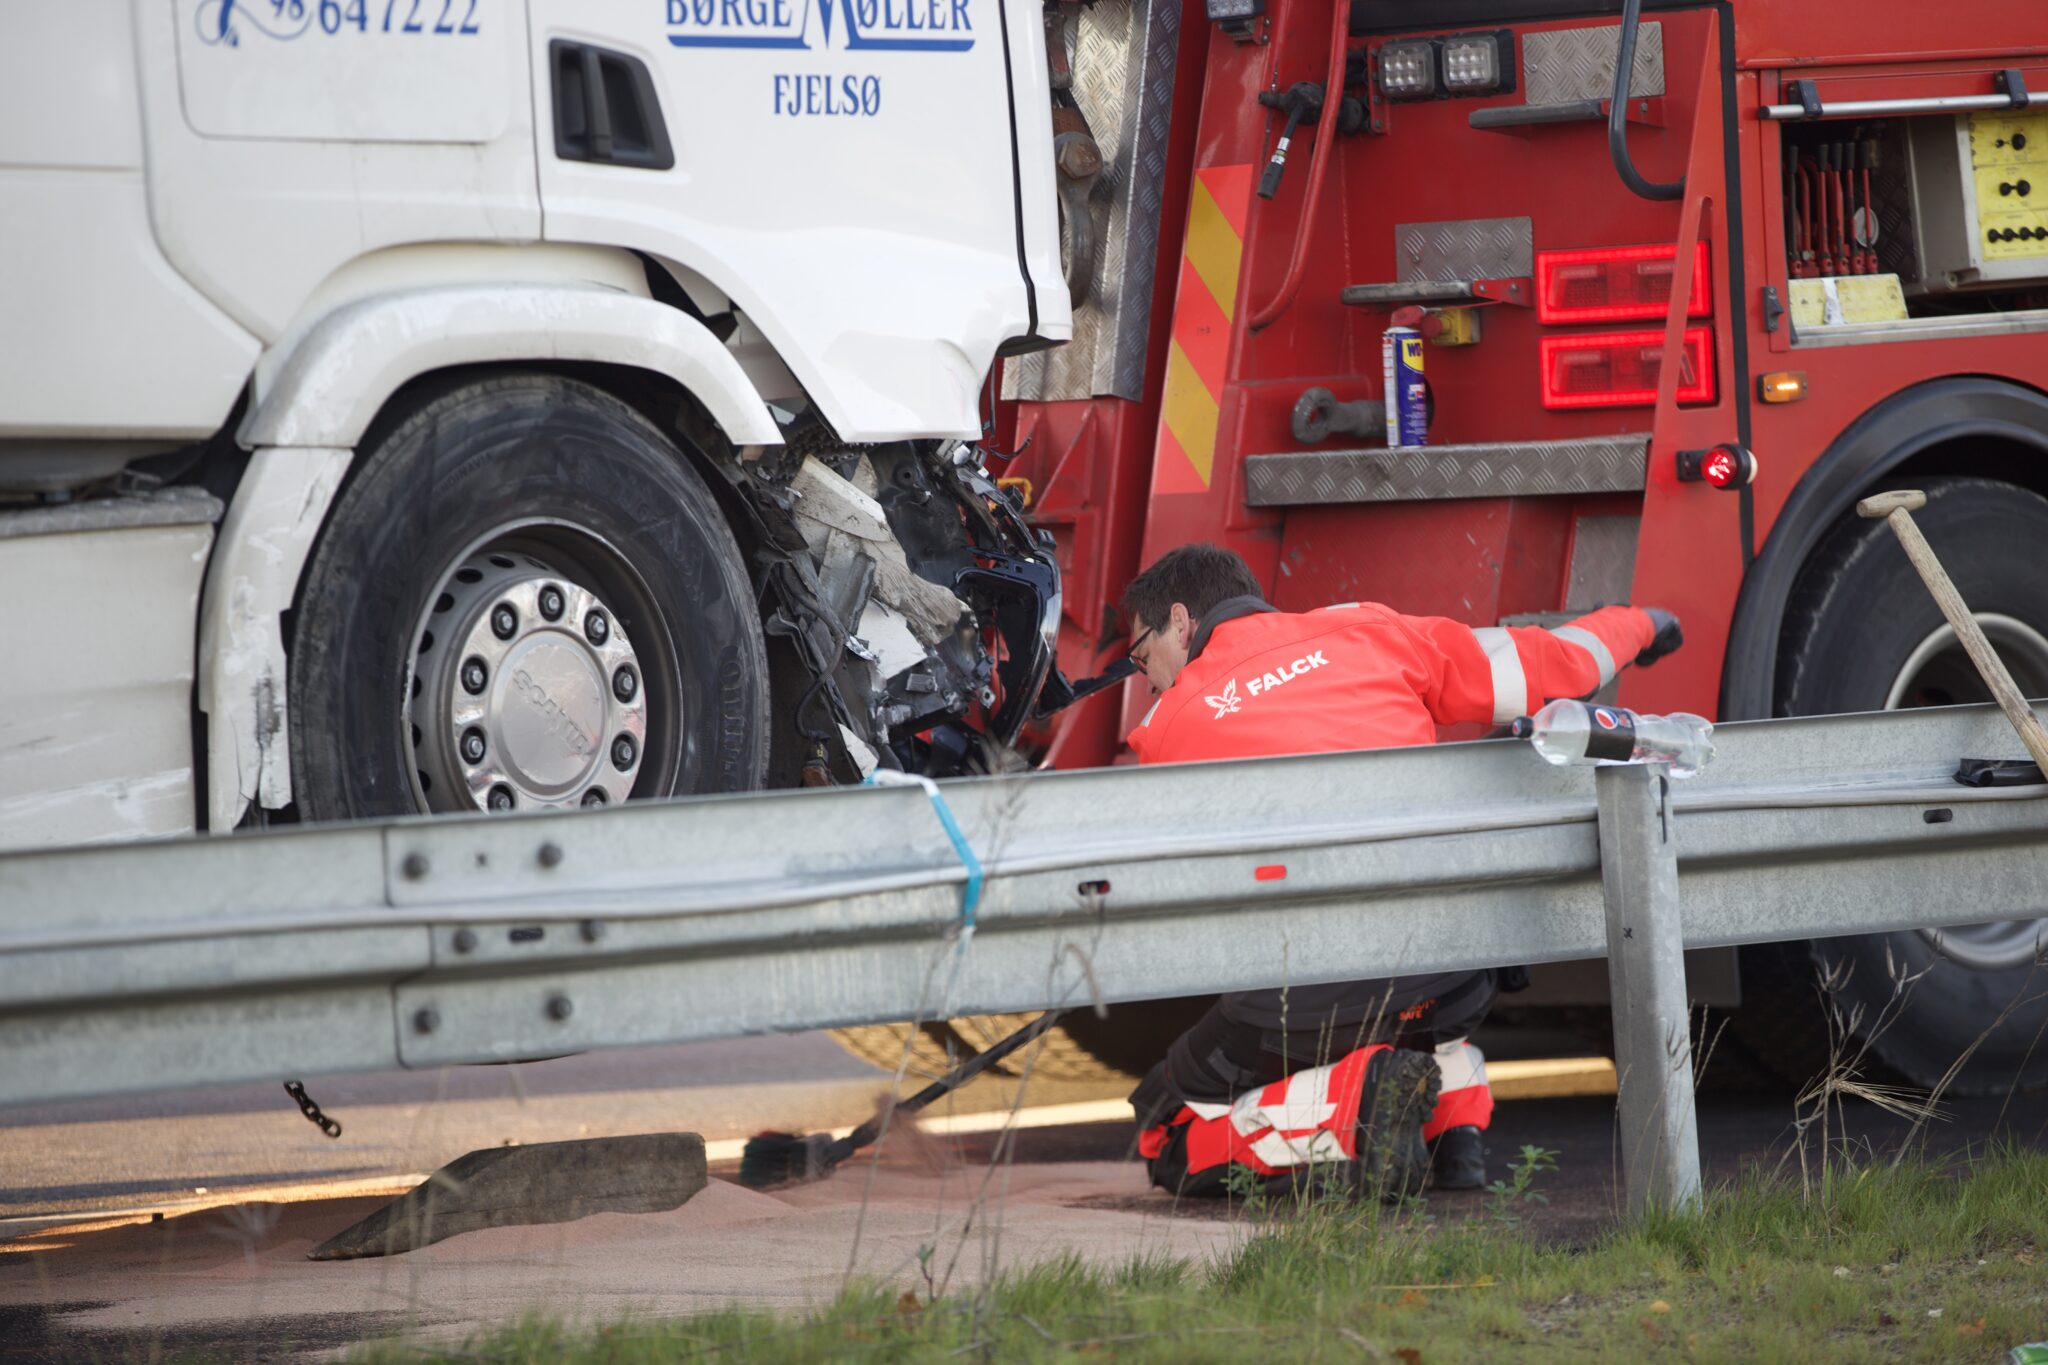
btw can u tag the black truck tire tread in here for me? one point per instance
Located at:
(1856, 601)
(466, 454)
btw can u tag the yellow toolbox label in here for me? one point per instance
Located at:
(1833, 300)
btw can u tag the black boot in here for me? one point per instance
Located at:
(1400, 1093)
(1457, 1159)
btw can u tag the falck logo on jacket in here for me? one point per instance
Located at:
(1230, 703)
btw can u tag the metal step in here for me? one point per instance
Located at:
(1507, 469)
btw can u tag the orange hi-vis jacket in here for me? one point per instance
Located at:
(1363, 676)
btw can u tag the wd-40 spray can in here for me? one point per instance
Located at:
(1407, 396)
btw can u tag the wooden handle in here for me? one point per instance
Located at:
(1884, 504)
(1989, 665)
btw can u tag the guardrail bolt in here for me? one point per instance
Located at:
(426, 1019)
(559, 1008)
(550, 855)
(414, 867)
(465, 940)
(591, 930)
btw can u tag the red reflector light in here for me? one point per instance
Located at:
(1619, 369)
(1613, 283)
(1271, 872)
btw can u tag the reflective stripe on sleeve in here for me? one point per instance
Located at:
(1593, 645)
(1510, 684)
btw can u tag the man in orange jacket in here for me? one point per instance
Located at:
(1237, 679)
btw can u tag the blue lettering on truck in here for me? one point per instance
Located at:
(831, 96)
(223, 22)
(870, 25)
(809, 26)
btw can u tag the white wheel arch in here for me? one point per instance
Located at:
(315, 397)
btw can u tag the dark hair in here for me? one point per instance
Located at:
(1196, 576)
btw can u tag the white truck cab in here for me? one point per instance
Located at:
(455, 404)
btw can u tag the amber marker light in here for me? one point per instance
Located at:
(1781, 386)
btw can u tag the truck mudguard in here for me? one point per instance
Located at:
(338, 378)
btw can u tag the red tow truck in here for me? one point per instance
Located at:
(1676, 326)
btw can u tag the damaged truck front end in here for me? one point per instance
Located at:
(922, 607)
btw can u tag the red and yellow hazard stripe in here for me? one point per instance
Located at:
(1199, 351)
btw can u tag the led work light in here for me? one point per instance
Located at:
(1472, 63)
(1450, 64)
(1233, 16)
(1408, 70)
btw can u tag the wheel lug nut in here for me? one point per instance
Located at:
(624, 751)
(500, 798)
(473, 745)
(594, 797)
(597, 628)
(474, 675)
(625, 683)
(552, 602)
(504, 621)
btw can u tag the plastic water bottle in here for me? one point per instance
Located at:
(1581, 732)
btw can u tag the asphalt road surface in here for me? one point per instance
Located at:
(207, 1146)
(130, 1151)
(249, 1185)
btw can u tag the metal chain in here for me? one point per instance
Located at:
(331, 1127)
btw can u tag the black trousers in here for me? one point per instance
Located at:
(1253, 1038)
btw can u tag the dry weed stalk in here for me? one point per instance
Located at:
(1819, 1106)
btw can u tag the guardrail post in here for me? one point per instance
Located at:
(1660, 1147)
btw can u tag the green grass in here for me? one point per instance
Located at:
(1927, 1262)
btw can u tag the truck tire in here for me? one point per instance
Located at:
(933, 1048)
(1862, 633)
(1116, 1048)
(1056, 1056)
(523, 598)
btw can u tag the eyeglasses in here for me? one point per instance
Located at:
(1132, 652)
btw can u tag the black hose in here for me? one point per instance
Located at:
(803, 704)
(1617, 112)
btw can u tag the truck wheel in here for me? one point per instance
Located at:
(1863, 634)
(524, 598)
(933, 1048)
(1056, 1056)
(1117, 1048)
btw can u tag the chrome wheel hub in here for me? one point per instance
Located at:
(526, 692)
(1938, 672)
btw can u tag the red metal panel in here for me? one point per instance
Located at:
(1803, 32)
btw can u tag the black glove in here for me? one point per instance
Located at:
(1668, 637)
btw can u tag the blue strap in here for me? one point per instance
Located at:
(970, 899)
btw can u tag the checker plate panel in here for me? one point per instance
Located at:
(1611, 464)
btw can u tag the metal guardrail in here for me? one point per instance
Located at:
(428, 942)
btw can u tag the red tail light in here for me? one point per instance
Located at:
(1619, 369)
(1613, 283)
